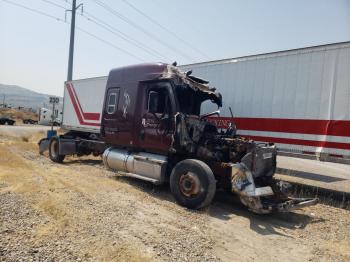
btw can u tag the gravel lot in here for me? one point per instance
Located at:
(79, 211)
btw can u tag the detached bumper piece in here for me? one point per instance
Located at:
(263, 200)
(289, 204)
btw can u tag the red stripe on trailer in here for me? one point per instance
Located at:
(86, 116)
(299, 126)
(292, 141)
(76, 109)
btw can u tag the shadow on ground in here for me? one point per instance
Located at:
(225, 206)
(91, 162)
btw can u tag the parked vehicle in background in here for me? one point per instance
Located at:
(146, 121)
(297, 99)
(30, 121)
(47, 117)
(7, 121)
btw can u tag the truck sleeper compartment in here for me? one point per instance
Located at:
(83, 103)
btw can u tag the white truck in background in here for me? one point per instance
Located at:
(47, 117)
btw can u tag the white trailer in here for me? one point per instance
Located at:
(298, 99)
(83, 103)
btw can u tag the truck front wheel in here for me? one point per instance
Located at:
(192, 183)
(53, 151)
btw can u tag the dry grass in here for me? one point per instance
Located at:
(13, 137)
(125, 253)
(9, 160)
(25, 138)
(43, 189)
(34, 138)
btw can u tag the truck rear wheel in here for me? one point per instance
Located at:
(192, 183)
(53, 151)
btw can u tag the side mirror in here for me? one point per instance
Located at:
(153, 101)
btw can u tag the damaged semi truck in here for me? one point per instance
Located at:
(145, 120)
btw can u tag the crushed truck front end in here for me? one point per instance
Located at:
(252, 180)
(240, 165)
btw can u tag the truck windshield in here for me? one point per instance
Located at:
(192, 102)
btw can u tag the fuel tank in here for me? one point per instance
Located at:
(142, 165)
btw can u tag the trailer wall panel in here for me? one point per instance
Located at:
(299, 99)
(83, 103)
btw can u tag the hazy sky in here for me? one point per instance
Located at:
(34, 48)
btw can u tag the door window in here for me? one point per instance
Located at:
(158, 100)
(112, 101)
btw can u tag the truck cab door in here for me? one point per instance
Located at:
(157, 117)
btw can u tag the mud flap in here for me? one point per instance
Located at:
(262, 200)
(43, 145)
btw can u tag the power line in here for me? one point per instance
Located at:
(114, 31)
(79, 28)
(68, 2)
(110, 44)
(149, 34)
(173, 13)
(34, 10)
(54, 4)
(122, 35)
(166, 29)
(150, 19)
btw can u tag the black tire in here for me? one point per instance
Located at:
(192, 183)
(53, 151)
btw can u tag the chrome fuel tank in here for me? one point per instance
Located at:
(142, 165)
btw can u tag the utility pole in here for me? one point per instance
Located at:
(72, 33)
(71, 42)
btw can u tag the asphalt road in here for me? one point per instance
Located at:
(22, 130)
(314, 173)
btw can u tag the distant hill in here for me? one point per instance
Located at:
(16, 96)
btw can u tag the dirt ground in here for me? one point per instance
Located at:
(79, 211)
